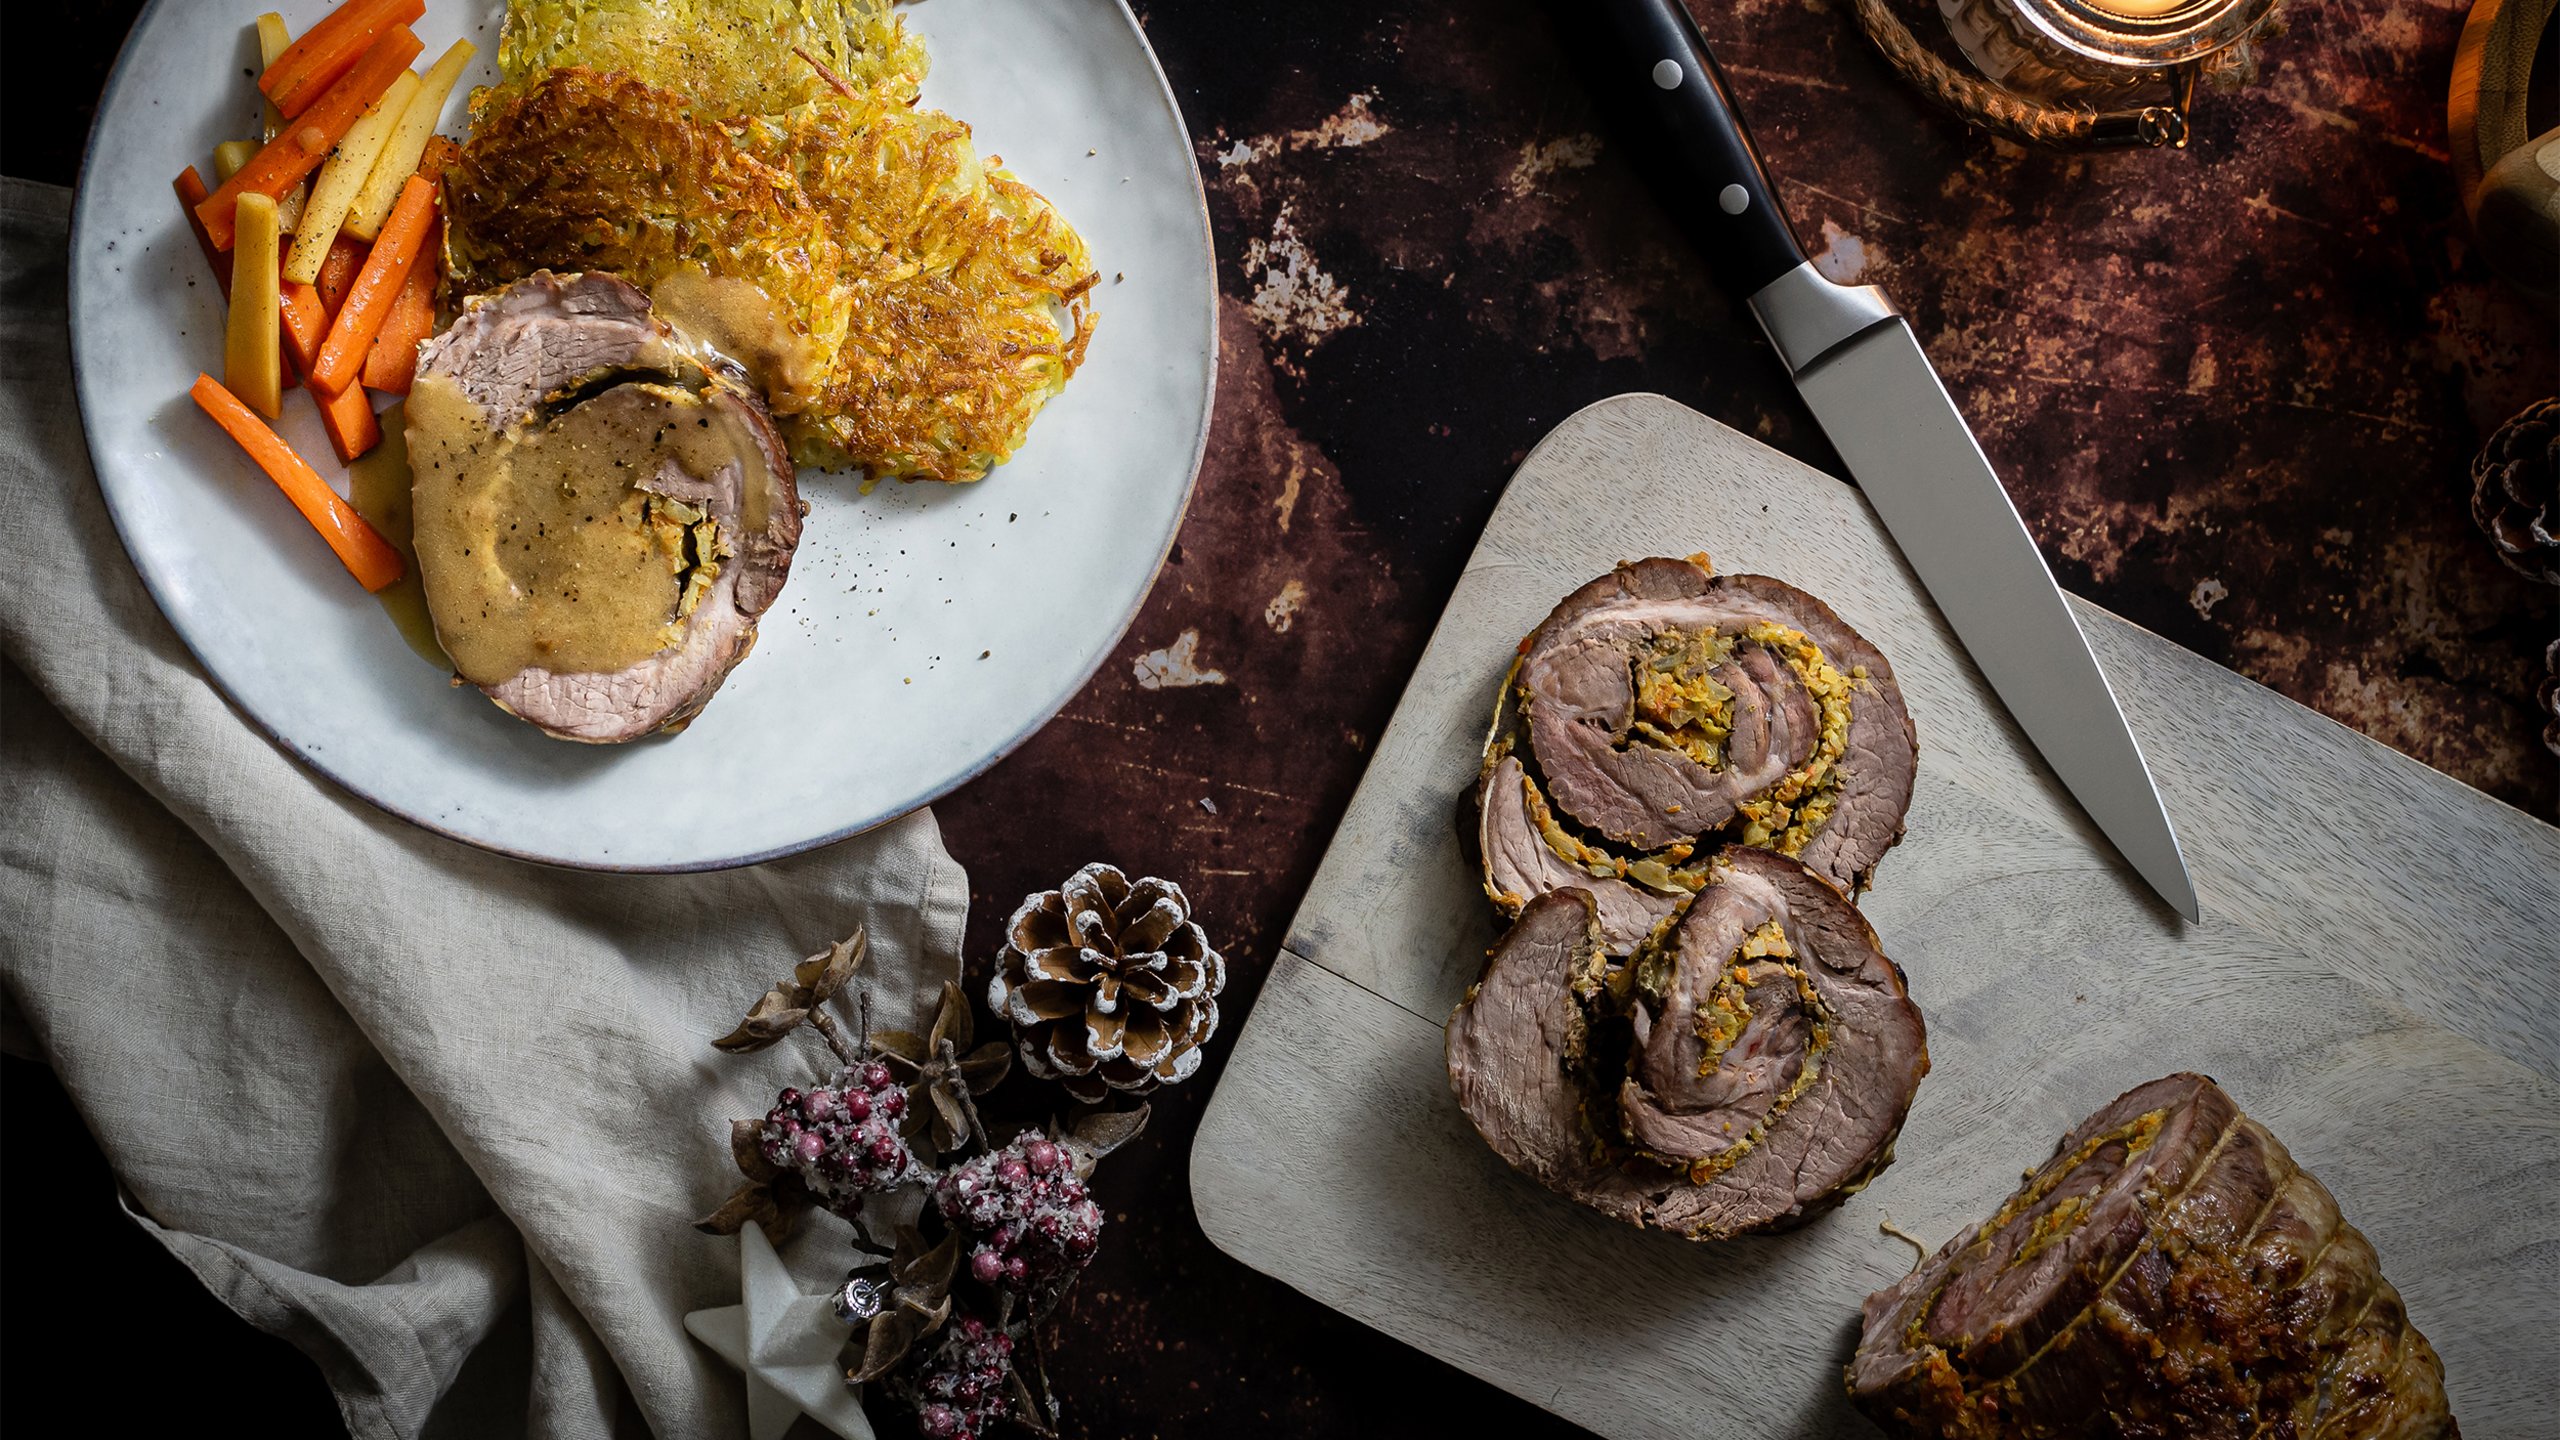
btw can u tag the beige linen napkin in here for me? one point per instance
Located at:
(375, 1088)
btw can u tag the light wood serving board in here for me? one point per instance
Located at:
(2377, 978)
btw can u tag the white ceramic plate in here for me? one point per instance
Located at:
(866, 696)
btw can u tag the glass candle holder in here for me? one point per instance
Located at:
(2096, 50)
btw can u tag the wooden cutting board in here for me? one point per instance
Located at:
(2377, 978)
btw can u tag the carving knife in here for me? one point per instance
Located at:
(1864, 376)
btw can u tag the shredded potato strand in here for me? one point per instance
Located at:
(730, 57)
(949, 297)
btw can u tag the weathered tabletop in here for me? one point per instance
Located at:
(2234, 391)
(2337, 880)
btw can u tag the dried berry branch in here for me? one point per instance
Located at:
(946, 1319)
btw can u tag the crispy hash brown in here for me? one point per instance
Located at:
(587, 171)
(952, 272)
(946, 299)
(731, 57)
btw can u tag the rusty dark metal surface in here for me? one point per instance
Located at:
(2234, 390)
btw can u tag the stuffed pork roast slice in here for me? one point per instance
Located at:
(1664, 705)
(1525, 853)
(1746, 1070)
(603, 508)
(2170, 1271)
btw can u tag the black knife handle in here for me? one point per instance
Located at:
(1658, 65)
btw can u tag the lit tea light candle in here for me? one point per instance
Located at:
(2139, 9)
(2082, 50)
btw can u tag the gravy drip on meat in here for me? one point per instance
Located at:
(561, 541)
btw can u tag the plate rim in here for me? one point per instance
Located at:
(82, 197)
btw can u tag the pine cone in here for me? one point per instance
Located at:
(1108, 984)
(2515, 491)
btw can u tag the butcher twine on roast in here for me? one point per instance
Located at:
(2170, 1271)
(1748, 1068)
(694, 504)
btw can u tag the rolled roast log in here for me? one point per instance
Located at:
(2169, 1272)
(1748, 1068)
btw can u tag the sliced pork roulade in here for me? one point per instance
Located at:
(603, 508)
(2170, 1271)
(1748, 1068)
(1527, 853)
(1666, 709)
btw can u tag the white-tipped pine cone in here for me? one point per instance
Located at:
(1108, 983)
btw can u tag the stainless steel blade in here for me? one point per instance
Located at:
(1907, 444)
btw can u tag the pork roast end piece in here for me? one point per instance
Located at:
(1747, 1070)
(1654, 717)
(2170, 1270)
(618, 611)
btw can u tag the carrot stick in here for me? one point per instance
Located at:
(386, 269)
(349, 419)
(359, 546)
(191, 193)
(338, 273)
(393, 360)
(297, 152)
(328, 50)
(306, 324)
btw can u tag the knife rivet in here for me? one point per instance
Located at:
(1667, 74)
(1733, 199)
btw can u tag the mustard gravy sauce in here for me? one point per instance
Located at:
(540, 546)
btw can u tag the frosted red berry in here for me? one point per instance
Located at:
(959, 1387)
(1027, 1224)
(839, 1138)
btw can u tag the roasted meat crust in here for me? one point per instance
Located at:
(2169, 1272)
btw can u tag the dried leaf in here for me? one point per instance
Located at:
(1099, 1132)
(929, 1270)
(916, 1127)
(1035, 1402)
(929, 1318)
(909, 1245)
(776, 1014)
(884, 1345)
(751, 1201)
(786, 1006)
(986, 1067)
(1026, 1407)
(822, 975)
(747, 1148)
(952, 1020)
(901, 1046)
(950, 1122)
(789, 1206)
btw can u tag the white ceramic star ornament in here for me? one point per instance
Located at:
(787, 1343)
